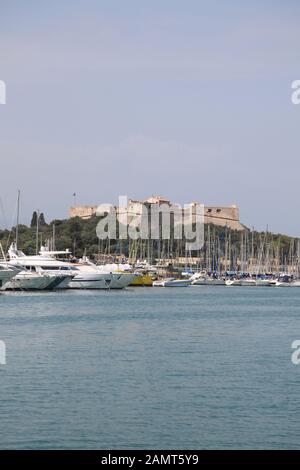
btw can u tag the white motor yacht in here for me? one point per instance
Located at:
(85, 275)
(26, 280)
(123, 274)
(57, 273)
(88, 277)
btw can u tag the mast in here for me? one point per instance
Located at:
(226, 249)
(18, 216)
(229, 250)
(53, 236)
(252, 249)
(208, 262)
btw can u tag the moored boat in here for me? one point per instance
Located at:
(122, 277)
(58, 273)
(284, 280)
(85, 275)
(7, 273)
(203, 279)
(233, 282)
(89, 279)
(121, 280)
(172, 282)
(248, 282)
(141, 279)
(26, 280)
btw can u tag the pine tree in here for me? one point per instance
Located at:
(33, 220)
(42, 219)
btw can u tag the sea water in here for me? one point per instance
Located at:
(150, 368)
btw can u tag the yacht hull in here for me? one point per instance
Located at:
(208, 282)
(26, 282)
(172, 283)
(6, 275)
(91, 281)
(142, 280)
(121, 280)
(234, 282)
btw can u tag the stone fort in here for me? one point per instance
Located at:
(217, 215)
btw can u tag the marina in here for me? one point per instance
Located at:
(48, 271)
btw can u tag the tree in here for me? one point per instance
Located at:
(42, 219)
(33, 219)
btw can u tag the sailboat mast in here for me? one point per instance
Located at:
(18, 216)
(226, 249)
(53, 236)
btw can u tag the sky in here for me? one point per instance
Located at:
(190, 100)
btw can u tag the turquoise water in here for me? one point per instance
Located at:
(200, 367)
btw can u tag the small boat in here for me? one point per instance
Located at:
(208, 281)
(242, 281)
(265, 282)
(233, 282)
(172, 282)
(283, 284)
(204, 279)
(248, 282)
(284, 281)
(141, 279)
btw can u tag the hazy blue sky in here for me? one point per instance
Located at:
(187, 99)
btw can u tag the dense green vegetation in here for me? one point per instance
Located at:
(75, 234)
